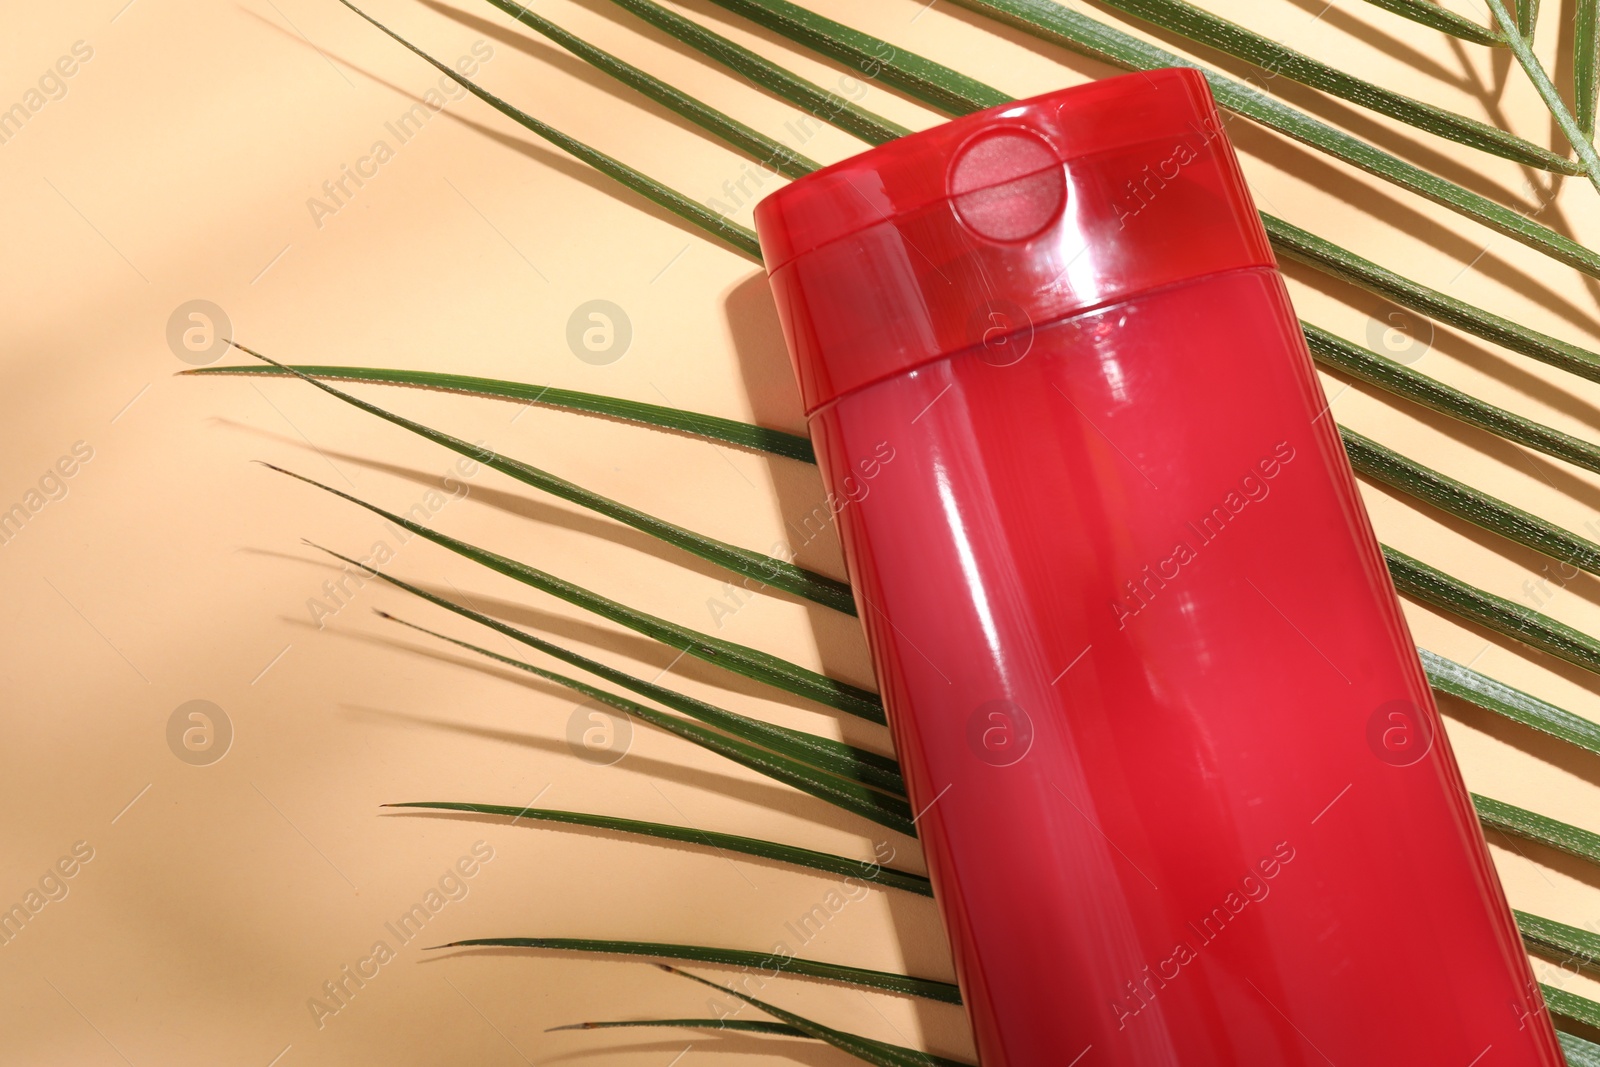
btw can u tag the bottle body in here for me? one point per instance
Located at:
(1185, 796)
(1183, 791)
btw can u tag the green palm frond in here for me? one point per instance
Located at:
(711, 427)
(761, 666)
(872, 1051)
(753, 143)
(870, 784)
(1452, 679)
(1327, 348)
(1432, 586)
(805, 858)
(740, 238)
(1432, 15)
(1540, 829)
(1585, 64)
(835, 757)
(1578, 1052)
(1447, 677)
(1517, 33)
(762, 569)
(783, 963)
(849, 793)
(829, 106)
(1202, 27)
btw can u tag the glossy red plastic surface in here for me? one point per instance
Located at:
(1184, 794)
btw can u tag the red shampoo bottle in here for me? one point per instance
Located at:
(1184, 794)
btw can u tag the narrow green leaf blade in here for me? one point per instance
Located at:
(749, 1026)
(1558, 941)
(1396, 471)
(1453, 679)
(761, 666)
(835, 757)
(1532, 628)
(1367, 366)
(1439, 18)
(740, 238)
(1527, 18)
(825, 862)
(1570, 1006)
(765, 962)
(922, 78)
(1294, 243)
(656, 416)
(1540, 829)
(859, 1047)
(753, 143)
(827, 106)
(1578, 1052)
(1201, 26)
(758, 1027)
(755, 567)
(852, 796)
(1585, 63)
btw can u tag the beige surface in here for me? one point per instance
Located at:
(178, 165)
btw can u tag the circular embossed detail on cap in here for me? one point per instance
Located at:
(1007, 184)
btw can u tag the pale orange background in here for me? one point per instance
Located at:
(178, 166)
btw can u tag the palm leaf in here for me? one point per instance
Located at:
(1287, 239)
(843, 776)
(748, 1026)
(756, 1026)
(1585, 62)
(1518, 35)
(710, 427)
(1396, 471)
(1432, 586)
(1369, 458)
(1559, 942)
(1435, 17)
(740, 238)
(848, 793)
(1327, 348)
(760, 568)
(828, 106)
(880, 981)
(1202, 27)
(826, 862)
(1452, 679)
(756, 145)
(835, 757)
(761, 666)
(859, 1047)
(1540, 829)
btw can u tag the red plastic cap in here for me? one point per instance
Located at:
(978, 231)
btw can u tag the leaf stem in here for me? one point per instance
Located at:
(1547, 90)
